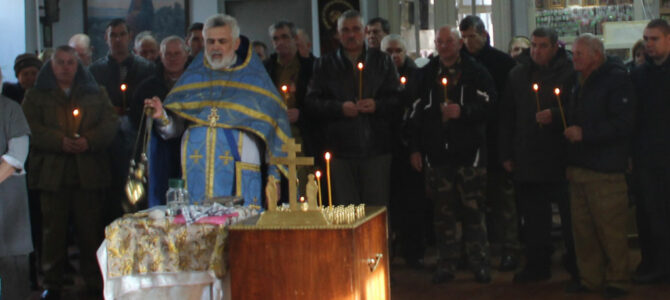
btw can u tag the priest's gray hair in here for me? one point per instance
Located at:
(173, 38)
(393, 38)
(221, 20)
(349, 14)
(593, 42)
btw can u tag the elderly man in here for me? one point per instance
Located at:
(234, 113)
(287, 68)
(532, 148)
(502, 217)
(304, 43)
(600, 117)
(14, 218)
(119, 67)
(69, 163)
(163, 153)
(651, 163)
(448, 127)
(194, 39)
(82, 45)
(26, 67)
(357, 108)
(376, 30)
(146, 46)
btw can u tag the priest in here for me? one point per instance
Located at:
(230, 114)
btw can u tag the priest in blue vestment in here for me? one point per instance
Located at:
(230, 114)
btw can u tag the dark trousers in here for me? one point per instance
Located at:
(502, 218)
(654, 206)
(361, 180)
(85, 207)
(408, 205)
(535, 202)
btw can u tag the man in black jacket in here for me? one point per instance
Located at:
(600, 117)
(651, 163)
(448, 127)
(532, 147)
(356, 107)
(502, 219)
(119, 67)
(291, 73)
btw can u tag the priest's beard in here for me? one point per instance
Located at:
(222, 63)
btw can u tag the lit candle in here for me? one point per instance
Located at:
(76, 114)
(557, 91)
(444, 84)
(330, 194)
(318, 188)
(403, 80)
(124, 87)
(360, 81)
(536, 88)
(284, 90)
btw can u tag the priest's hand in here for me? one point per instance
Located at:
(293, 115)
(349, 109)
(450, 111)
(366, 106)
(416, 161)
(157, 106)
(508, 165)
(544, 117)
(573, 134)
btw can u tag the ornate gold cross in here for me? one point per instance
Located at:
(226, 157)
(292, 161)
(213, 117)
(195, 156)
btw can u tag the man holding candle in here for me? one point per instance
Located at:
(357, 122)
(535, 154)
(448, 143)
(651, 163)
(69, 163)
(375, 31)
(502, 219)
(291, 74)
(600, 118)
(119, 67)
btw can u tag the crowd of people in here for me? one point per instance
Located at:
(472, 135)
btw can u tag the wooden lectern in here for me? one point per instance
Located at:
(311, 262)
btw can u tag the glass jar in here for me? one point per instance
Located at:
(176, 196)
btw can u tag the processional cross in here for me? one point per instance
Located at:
(291, 161)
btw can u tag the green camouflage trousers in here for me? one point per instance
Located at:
(459, 195)
(501, 212)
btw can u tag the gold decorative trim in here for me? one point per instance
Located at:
(239, 167)
(370, 213)
(184, 149)
(211, 160)
(227, 83)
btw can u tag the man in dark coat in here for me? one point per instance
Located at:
(502, 219)
(356, 107)
(117, 68)
(532, 147)
(26, 67)
(291, 74)
(448, 128)
(69, 163)
(651, 163)
(600, 125)
(163, 154)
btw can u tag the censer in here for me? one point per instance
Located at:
(137, 174)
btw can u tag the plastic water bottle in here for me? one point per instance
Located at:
(176, 196)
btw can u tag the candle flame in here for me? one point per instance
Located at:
(327, 155)
(557, 91)
(360, 66)
(403, 80)
(284, 88)
(123, 87)
(302, 198)
(318, 174)
(444, 81)
(75, 112)
(535, 87)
